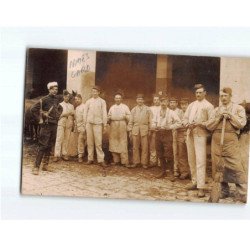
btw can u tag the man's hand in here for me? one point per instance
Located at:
(227, 114)
(199, 124)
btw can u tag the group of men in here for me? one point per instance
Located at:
(158, 133)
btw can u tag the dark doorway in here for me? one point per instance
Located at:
(43, 66)
(130, 72)
(189, 70)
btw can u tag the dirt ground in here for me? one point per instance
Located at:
(78, 179)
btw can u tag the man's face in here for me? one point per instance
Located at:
(164, 103)
(95, 93)
(156, 101)
(53, 91)
(200, 94)
(118, 99)
(184, 106)
(173, 104)
(225, 98)
(66, 98)
(140, 101)
(78, 100)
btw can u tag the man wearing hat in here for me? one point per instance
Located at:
(154, 109)
(95, 121)
(79, 122)
(173, 104)
(50, 110)
(181, 142)
(139, 125)
(118, 117)
(165, 121)
(195, 119)
(233, 172)
(64, 128)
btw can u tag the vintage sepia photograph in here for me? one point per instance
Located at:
(136, 126)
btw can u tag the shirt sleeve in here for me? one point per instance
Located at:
(127, 113)
(213, 120)
(239, 120)
(85, 113)
(210, 112)
(186, 115)
(131, 120)
(35, 110)
(176, 121)
(104, 113)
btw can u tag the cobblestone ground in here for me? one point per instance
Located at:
(75, 179)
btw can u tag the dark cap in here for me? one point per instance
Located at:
(97, 88)
(66, 92)
(79, 96)
(199, 86)
(173, 99)
(227, 90)
(184, 100)
(164, 97)
(140, 96)
(119, 92)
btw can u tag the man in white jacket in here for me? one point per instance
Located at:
(195, 119)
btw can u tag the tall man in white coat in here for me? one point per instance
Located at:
(95, 121)
(195, 119)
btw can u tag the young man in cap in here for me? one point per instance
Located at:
(165, 121)
(64, 128)
(233, 172)
(50, 110)
(118, 117)
(195, 119)
(139, 125)
(173, 105)
(79, 121)
(95, 121)
(153, 161)
(181, 143)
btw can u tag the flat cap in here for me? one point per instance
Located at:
(140, 96)
(164, 97)
(184, 100)
(199, 86)
(227, 90)
(97, 88)
(173, 99)
(66, 92)
(52, 84)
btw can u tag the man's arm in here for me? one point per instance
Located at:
(104, 113)
(176, 121)
(239, 119)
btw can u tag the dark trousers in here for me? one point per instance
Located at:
(46, 141)
(164, 148)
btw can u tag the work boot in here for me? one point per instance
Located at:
(145, 166)
(115, 163)
(80, 159)
(191, 186)
(133, 166)
(172, 178)
(183, 176)
(65, 157)
(176, 174)
(162, 175)
(35, 171)
(103, 164)
(55, 159)
(201, 193)
(89, 162)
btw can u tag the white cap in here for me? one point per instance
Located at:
(52, 84)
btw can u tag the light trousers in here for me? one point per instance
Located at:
(94, 141)
(62, 141)
(140, 142)
(120, 157)
(81, 144)
(196, 148)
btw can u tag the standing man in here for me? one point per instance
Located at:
(50, 110)
(153, 161)
(195, 119)
(173, 104)
(138, 127)
(166, 120)
(118, 118)
(181, 143)
(64, 128)
(79, 122)
(95, 118)
(233, 172)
